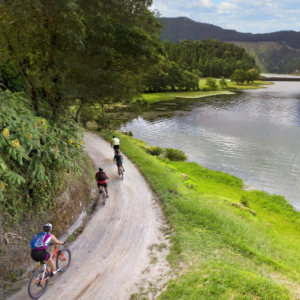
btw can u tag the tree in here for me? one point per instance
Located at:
(239, 76)
(70, 51)
(255, 74)
(223, 83)
(211, 83)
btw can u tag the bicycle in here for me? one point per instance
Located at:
(103, 194)
(121, 172)
(39, 280)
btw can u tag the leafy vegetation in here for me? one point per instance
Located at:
(35, 152)
(221, 250)
(174, 154)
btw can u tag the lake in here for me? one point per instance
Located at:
(254, 135)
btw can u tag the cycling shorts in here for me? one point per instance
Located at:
(102, 184)
(119, 164)
(116, 147)
(39, 255)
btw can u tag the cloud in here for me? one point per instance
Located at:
(255, 16)
(227, 8)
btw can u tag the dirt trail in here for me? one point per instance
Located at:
(109, 257)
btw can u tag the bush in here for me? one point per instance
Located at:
(34, 154)
(156, 151)
(175, 154)
(244, 201)
(207, 89)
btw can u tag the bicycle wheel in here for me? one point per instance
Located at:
(63, 259)
(37, 285)
(104, 196)
(122, 173)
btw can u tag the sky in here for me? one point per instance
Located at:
(244, 16)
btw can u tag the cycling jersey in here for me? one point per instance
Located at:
(115, 141)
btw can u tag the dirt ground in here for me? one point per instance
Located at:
(116, 255)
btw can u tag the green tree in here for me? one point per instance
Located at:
(223, 83)
(239, 76)
(211, 83)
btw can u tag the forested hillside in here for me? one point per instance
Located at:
(277, 52)
(212, 57)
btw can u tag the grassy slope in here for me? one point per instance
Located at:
(223, 252)
(166, 96)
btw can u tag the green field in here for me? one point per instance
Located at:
(227, 243)
(165, 96)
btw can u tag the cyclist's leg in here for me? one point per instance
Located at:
(50, 262)
(39, 266)
(106, 189)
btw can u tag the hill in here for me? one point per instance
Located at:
(277, 52)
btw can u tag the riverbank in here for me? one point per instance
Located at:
(227, 243)
(232, 86)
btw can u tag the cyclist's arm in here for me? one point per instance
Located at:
(55, 240)
(107, 177)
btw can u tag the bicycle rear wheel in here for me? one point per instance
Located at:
(63, 259)
(37, 285)
(104, 196)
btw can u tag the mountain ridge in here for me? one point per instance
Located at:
(276, 52)
(180, 28)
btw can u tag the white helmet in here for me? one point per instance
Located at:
(47, 227)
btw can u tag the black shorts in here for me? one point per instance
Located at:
(116, 147)
(102, 184)
(119, 164)
(39, 255)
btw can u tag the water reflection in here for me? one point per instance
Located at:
(254, 135)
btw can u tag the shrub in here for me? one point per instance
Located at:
(35, 152)
(207, 89)
(244, 201)
(156, 151)
(175, 154)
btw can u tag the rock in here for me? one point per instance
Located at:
(184, 176)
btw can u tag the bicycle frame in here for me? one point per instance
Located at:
(44, 268)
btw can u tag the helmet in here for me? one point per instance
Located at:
(100, 169)
(117, 151)
(114, 136)
(47, 227)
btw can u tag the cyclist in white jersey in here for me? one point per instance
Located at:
(115, 143)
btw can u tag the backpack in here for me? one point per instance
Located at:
(101, 176)
(38, 240)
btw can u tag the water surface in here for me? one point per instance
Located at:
(254, 135)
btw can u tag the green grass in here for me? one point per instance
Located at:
(167, 96)
(224, 252)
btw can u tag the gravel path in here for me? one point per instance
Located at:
(110, 257)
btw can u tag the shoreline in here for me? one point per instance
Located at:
(221, 233)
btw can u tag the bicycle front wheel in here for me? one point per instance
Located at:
(63, 259)
(37, 285)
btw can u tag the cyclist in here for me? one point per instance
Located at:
(40, 254)
(115, 143)
(101, 178)
(119, 159)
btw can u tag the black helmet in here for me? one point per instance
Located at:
(47, 227)
(100, 169)
(114, 136)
